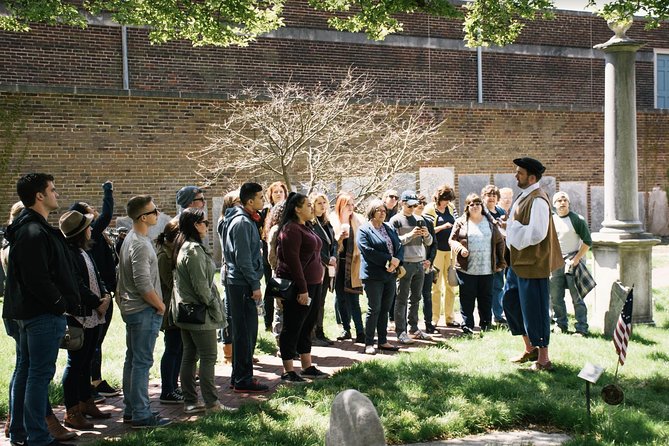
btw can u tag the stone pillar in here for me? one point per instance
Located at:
(621, 249)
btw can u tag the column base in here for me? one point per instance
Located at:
(628, 258)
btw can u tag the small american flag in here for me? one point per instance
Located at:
(623, 331)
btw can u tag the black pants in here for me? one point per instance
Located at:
(473, 288)
(76, 377)
(244, 318)
(322, 295)
(268, 300)
(298, 323)
(96, 364)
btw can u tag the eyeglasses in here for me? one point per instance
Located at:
(394, 197)
(202, 199)
(475, 203)
(204, 222)
(154, 212)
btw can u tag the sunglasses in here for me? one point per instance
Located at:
(422, 203)
(475, 203)
(411, 206)
(154, 212)
(394, 197)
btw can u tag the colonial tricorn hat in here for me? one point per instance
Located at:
(530, 164)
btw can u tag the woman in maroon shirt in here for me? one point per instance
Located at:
(298, 259)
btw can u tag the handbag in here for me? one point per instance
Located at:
(452, 275)
(73, 339)
(281, 288)
(191, 313)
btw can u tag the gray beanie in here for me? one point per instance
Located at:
(186, 194)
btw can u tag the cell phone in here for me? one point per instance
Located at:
(420, 223)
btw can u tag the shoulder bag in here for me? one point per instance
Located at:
(191, 313)
(280, 288)
(73, 339)
(451, 273)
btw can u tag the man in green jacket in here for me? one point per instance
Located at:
(574, 237)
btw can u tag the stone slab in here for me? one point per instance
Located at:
(154, 231)
(596, 208)
(217, 205)
(548, 184)
(404, 181)
(507, 180)
(642, 209)
(431, 178)
(353, 185)
(470, 183)
(578, 196)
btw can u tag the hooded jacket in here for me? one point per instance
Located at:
(242, 252)
(41, 277)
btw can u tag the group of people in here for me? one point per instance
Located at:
(509, 260)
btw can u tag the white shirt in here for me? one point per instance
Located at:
(521, 236)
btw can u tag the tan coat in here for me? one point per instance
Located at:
(357, 221)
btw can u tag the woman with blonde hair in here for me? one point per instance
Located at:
(348, 285)
(323, 228)
(277, 192)
(442, 214)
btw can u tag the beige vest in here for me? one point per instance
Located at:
(536, 261)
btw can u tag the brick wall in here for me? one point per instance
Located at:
(141, 143)
(62, 56)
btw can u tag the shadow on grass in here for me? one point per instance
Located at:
(659, 356)
(636, 337)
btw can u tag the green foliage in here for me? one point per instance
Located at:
(238, 22)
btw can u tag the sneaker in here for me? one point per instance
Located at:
(178, 391)
(105, 389)
(344, 335)
(151, 422)
(128, 418)
(312, 372)
(326, 340)
(193, 408)
(292, 378)
(97, 398)
(403, 338)
(501, 322)
(429, 328)
(172, 398)
(419, 335)
(360, 338)
(253, 387)
(370, 350)
(220, 407)
(558, 329)
(317, 342)
(467, 330)
(581, 334)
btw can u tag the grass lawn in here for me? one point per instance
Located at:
(459, 387)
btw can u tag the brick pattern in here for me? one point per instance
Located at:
(141, 144)
(63, 56)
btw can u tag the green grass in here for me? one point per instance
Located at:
(461, 386)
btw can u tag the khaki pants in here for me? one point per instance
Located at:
(441, 289)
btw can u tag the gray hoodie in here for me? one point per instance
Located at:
(243, 255)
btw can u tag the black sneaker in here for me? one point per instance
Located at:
(151, 422)
(97, 398)
(313, 373)
(105, 389)
(293, 378)
(127, 419)
(326, 339)
(172, 398)
(253, 387)
(344, 335)
(430, 329)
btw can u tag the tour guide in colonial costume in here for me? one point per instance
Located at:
(534, 252)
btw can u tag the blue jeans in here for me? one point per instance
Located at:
(39, 341)
(170, 363)
(558, 282)
(141, 332)
(498, 295)
(380, 295)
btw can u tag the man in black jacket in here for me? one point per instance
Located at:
(41, 286)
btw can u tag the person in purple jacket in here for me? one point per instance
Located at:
(298, 259)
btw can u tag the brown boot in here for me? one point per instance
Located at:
(89, 408)
(227, 353)
(76, 420)
(57, 430)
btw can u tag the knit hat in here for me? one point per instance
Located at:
(186, 194)
(72, 223)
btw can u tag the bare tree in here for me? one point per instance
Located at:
(313, 139)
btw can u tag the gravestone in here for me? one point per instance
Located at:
(548, 185)
(404, 181)
(596, 208)
(431, 178)
(353, 185)
(507, 180)
(658, 212)
(578, 196)
(354, 421)
(471, 183)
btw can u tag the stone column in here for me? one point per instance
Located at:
(621, 249)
